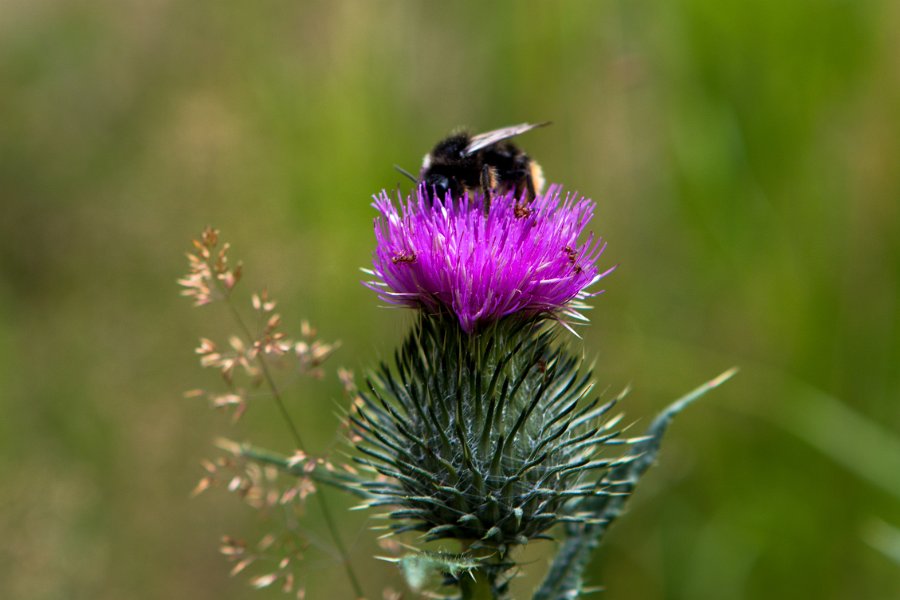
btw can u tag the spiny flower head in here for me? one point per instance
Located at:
(515, 257)
(488, 438)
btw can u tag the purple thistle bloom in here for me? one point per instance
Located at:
(518, 258)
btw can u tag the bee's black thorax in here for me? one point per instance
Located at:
(451, 149)
(486, 163)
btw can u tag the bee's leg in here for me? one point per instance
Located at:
(529, 186)
(487, 186)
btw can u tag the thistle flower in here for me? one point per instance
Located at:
(446, 255)
(483, 429)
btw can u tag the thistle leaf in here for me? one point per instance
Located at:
(564, 580)
(419, 568)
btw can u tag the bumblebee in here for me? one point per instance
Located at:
(486, 162)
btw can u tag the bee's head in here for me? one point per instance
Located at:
(442, 184)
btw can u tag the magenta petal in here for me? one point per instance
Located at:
(447, 254)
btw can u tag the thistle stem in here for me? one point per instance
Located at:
(295, 433)
(477, 584)
(479, 588)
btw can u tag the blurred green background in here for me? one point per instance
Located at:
(745, 157)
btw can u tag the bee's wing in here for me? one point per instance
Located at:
(483, 140)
